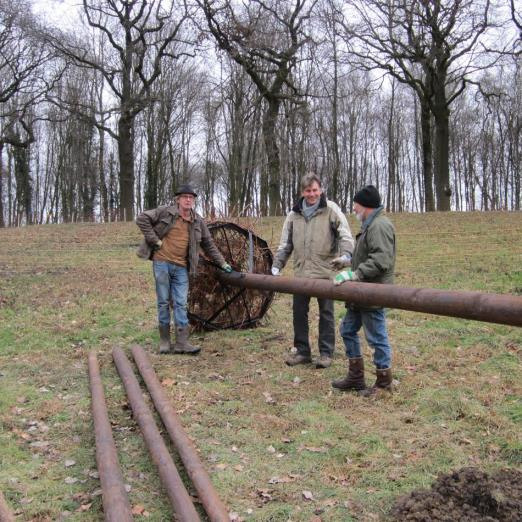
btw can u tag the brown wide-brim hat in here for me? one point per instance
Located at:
(186, 189)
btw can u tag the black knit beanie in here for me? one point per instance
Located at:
(368, 197)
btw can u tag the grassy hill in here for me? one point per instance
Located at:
(266, 432)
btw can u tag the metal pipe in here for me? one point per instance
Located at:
(208, 496)
(116, 506)
(490, 308)
(5, 512)
(178, 495)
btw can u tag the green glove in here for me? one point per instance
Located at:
(226, 268)
(345, 275)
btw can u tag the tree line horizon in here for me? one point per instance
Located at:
(421, 98)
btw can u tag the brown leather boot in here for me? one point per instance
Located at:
(164, 331)
(383, 382)
(182, 344)
(384, 379)
(354, 379)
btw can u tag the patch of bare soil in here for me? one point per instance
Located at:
(467, 495)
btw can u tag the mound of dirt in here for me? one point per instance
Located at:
(467, 495)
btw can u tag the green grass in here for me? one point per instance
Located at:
(81, 287)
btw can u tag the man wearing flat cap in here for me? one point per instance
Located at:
(373, 261)
(173, 236)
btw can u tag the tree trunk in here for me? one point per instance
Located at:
(272, 155)
(2, 221)
(427, 169)
(336, 169)
(104, 200)
(441, 115)
(126, 174)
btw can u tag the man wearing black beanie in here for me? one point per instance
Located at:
(373, 261)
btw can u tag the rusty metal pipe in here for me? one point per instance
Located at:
(208, 496)
(490, 308)
(116, 505)
(178, 495)
(5, 512)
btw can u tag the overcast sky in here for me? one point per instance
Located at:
(60, 13)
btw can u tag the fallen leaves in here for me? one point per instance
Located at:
(139, 510)
(268, 398)
(308, 495)
(285, 479)
(313, 449)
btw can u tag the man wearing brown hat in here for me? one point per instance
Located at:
(373, 261)
(173, 236)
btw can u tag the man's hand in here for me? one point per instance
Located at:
(341, 262)
(345, 275)
(275, 271)
(157, 245)
(226, 268)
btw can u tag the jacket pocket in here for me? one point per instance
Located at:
(144, 251)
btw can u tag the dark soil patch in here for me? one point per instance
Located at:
(468, 495)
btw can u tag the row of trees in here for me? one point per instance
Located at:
(421, 98)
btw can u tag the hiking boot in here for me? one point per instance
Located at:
(164, 331)
(182, 344)
(324, 361)
(297, 358)
(383, 382)
(354, 379)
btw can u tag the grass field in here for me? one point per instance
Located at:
(279, 443)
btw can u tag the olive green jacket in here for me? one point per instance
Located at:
(373, 258)
(156, 223)
(316, 242)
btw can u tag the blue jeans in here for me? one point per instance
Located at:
(172, 286)
(374, 324)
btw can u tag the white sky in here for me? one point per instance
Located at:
(59, 13)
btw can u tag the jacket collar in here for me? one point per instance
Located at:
(174, 210)
(367, 222)
(298, 207)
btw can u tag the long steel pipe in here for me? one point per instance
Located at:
(116, 506)
(490, 308)
(208, 496)
(5, 512)
(176, 491)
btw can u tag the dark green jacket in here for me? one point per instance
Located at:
(373, 257)
(156, 223)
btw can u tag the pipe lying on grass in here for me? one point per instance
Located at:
(490, 308)
(176, 491)
(5, 512)
(213, 505)
(115, 501)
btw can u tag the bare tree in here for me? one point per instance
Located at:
(264, 37)
(517, 20)
(140, 36)
(432, 46)
(26, 75)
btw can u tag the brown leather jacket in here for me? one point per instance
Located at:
(155, 225)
